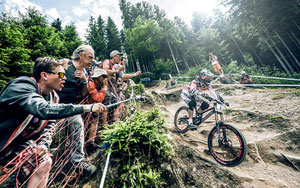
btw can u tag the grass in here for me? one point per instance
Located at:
(279, 96)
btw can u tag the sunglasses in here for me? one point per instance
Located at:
(104, 76)
(60, 74)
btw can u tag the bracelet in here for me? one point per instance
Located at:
(92, 107)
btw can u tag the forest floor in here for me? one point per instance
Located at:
(268, 119)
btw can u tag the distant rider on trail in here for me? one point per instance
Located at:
(201, 84)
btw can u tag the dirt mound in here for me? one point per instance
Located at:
(268, 119)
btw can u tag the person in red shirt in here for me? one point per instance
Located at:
(98, 86)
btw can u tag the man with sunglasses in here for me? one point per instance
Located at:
(28, 107)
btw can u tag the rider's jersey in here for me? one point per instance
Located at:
(189, 92)
(214, 60)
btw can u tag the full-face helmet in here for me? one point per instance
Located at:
(205, 77)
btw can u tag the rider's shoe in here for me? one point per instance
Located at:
(192, 126)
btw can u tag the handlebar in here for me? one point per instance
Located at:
(215, 100)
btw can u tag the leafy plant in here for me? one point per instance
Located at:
(139, 145)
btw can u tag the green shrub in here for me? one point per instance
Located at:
(139, 146)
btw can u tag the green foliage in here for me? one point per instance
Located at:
(29, 36)
(112, 36)
(139, 145)
(96, 37)
(162, 67)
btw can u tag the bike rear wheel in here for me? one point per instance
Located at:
(231, 149)
(181, 119)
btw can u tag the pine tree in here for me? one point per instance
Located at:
(112, 36)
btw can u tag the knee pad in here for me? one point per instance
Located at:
(204, 105)
(192, 104)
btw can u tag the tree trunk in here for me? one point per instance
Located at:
(133, 67)
(257, 56)
(138, 66)
(277, 57)
(293, 34)
(288, 49)
(281, 54)
(185, 63)
(238, 48)
(173, 57)
(291, 37)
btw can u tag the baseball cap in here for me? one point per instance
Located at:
(98, 72)
(115, 52)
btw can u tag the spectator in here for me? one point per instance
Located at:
(27, 110)
(245, 78)
(77, 85)
(215, 63)
(98, 86)
(108, 64)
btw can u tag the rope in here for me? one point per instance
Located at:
(268, 77)
(257, 85)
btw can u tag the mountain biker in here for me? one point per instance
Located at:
(201, 84)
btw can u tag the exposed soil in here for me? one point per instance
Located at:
(269, 121)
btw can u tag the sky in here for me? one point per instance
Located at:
(79, 11)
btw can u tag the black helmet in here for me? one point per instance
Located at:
(205, 76)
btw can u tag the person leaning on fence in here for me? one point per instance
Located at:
(213, 59)
(245, 78)
(77, 85)
(98, 86)
(121, 76)
(112, 72)
(28, 107)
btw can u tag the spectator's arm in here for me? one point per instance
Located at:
(107, 68)
(128, 76)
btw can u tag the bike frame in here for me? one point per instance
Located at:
(219, 118)
(218, 114)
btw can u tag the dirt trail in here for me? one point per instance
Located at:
(268, 119)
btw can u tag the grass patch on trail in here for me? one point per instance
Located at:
(279, 96)
(297, 93)
(271, 121)
(140, 145)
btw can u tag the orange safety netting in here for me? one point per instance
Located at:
(62, 169)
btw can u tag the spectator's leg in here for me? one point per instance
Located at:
(40, 177)
(93, 129)
(104, 118)
(76, 130)
(116, 113)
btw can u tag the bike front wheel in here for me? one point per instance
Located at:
(181, 119)
(230, 149)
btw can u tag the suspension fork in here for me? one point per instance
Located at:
(219, 123)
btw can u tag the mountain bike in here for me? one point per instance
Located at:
(226, 144)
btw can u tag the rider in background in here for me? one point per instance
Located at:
(201, 84)
(215, 63)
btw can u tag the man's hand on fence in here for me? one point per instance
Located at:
(98, 107)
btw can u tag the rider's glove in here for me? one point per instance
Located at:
(207, 97)
(220, 98)
(227, 103)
